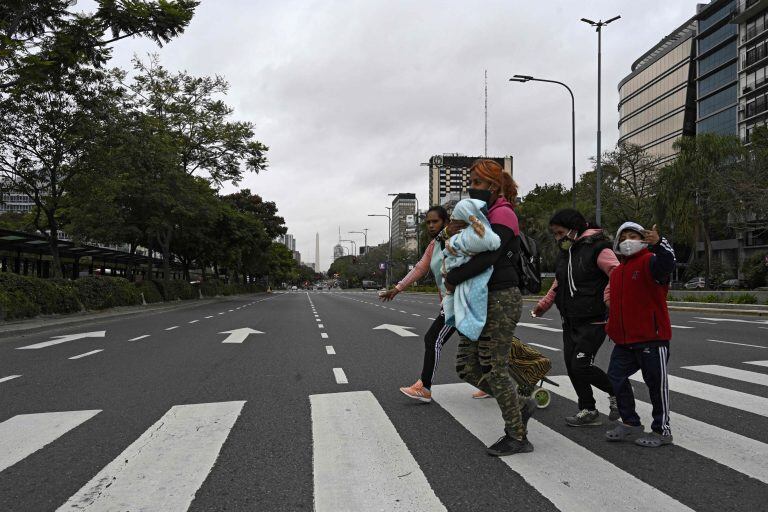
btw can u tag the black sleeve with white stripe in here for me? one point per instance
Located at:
(663, 261)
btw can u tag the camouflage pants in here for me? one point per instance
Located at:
(485, 363)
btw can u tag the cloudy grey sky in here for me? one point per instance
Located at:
(351, 95)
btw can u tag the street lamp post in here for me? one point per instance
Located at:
(354, 246)
(527, 78)
(364, 232)
(418, 241)
(599, 24)
(389, 258)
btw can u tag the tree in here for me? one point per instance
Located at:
(46, 134)
(534, 213)
(44, 38)
(630, 183)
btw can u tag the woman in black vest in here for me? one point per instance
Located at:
(580, 293)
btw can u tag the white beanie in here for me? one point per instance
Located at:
(631, 226)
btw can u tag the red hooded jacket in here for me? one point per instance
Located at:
(638, 310)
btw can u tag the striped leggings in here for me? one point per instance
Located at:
(437, 335)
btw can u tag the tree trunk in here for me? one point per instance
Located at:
(53, 243)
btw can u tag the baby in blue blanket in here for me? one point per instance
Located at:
(467, 307)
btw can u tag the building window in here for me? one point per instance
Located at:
(718, 58)
(717, 37)
(717, 80)
(719, 15)
(723, 123)
(717, 101)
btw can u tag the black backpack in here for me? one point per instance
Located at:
(527, 265)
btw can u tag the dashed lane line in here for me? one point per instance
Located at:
(79, 356)
(137, 338)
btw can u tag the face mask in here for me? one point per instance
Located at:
(630, 247)
(482, 195)
(566, 242)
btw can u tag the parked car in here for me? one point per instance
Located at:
(731, 284)
(370, 285)
(697, 283)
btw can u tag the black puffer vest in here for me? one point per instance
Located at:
(580, 288)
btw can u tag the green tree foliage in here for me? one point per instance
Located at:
(44, 39)
(534, 213)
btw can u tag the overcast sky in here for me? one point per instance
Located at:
(352, 95)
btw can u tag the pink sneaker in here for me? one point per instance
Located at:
(418, 392)
(480, 394)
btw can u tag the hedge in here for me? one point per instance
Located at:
(26, 297)
(103, 293)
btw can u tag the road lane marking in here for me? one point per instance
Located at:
(741, 344)
(559, 469)
(10, 377)
(166, 465)
(324, 335)
(137, 338)
(727, 397)
(171, 328)
(415, 314)
(758, 363)
(209, 316)
(431, 318)
(231, 310)
(23, 435)
(320, 326)
(86, 354)
(318, 320)
(403, 311)
(329, 350)
(540, 327)
(222, 312)
(683, 327)
(731, 373)
(739, 320)
(544, 346)
(64, 339)
(733, 450)
(340, 376)
(354, 440)
(193, 321)
(697, 322)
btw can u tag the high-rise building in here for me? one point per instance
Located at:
(297, 257)
(658, 99)
(716, 61)
(449, 173)
(289, 242)
(338, 251)
(403, 215)
(752, 18)
(15, 202)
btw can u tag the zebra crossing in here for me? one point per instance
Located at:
(361, 462)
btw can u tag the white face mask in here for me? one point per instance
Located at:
(630, 247)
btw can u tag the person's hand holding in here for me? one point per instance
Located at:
(651, 236)
(455, 226)
(389, 294)
(449, 287)
(538, 310)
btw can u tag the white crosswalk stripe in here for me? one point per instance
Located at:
(738, 452)
(354, 441)
(593, 482)
(165, 466)
(25, 434)
(731, 373)
(723, 396)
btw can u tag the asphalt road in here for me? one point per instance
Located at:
(306, 413)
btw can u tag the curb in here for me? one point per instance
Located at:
(43, 322)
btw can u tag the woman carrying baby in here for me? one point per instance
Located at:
(485, 363)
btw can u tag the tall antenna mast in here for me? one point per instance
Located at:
(486, 113)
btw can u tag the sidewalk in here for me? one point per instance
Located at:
(44, 322)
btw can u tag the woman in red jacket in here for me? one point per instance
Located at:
(639, 325)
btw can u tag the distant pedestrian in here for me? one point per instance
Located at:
(580, 291)
(485, 363)
(640, 327)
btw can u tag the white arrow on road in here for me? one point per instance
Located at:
(239, 335)
(400, 330)
(63, 339)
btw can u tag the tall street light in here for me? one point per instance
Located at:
(418, 241)
(354, 246)
(598, 168)
(389, 258)
(364, 232)
(527, 78)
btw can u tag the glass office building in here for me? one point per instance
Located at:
(717, 68)
(657, 99)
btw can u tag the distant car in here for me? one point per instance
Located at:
(697, 283)
(294, 288)
(370, 285)
(731, 284)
